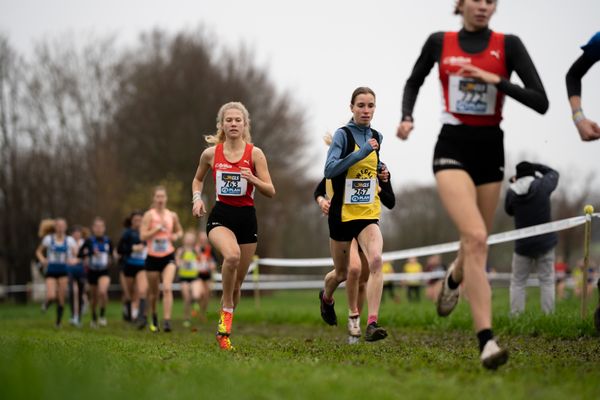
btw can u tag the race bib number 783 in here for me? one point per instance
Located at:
(231, 184)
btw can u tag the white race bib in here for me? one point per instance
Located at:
(231, 184)
(189, 265)
(99, 260)
(160, 245)
(360, 191)
(469, 96)
(203, 266)
(57, 257)
(139, 255)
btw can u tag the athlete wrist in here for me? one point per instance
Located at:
(578, 115)
(196, 196)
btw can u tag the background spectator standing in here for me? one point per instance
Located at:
(528, 200)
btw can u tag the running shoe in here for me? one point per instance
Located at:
(448, 298)
(102, 321)
(354, 332)
(224, 330)
(141, 322)
(126, 316)
(75, 322)
(195, 310)
(353, 340)
(154, 328)
(375, 332)
(187, 323)
(327, 310)
(493, 356)
(167, 325)
(224, 342)
(93, 324)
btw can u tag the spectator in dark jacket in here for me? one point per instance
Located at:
(528, 200)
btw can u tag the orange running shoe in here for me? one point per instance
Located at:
(224, 330)
(195, 310)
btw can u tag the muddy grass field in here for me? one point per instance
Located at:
(284, 351)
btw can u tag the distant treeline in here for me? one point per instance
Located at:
(89, 129)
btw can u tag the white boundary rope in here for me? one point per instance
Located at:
(502, 237)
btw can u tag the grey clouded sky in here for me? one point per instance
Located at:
(321, 50)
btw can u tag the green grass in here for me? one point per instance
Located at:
(284, 351)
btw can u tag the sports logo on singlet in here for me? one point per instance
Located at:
(231, 184)
(470, 96)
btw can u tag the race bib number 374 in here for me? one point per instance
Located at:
(359, 191)
(231, 184)
(469, 96)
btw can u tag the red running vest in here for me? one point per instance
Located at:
(470, 101)
(230, 187)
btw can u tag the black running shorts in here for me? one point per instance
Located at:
(94, 275)
(478, 150)
(346, 231)
(205, 276)
(56, 271)
(187, 280)
(158, 264)
(131, 271)
(240, 220)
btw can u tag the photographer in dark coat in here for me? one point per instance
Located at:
(528, 200)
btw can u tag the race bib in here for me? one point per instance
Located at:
(99, 260)
(203, 267)
(56, 257)
(360, 191)
(139, 255)
(231, 184)
(190, 265)
(469, 96)
(160, 245)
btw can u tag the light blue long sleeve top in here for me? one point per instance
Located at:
(334, 165)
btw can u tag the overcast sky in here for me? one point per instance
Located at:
(319, 51)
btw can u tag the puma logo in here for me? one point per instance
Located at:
(495, 53)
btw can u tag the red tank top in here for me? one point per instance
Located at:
(230, 187)
(469, 101)
(160, 244)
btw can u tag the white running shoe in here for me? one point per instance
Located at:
(493, 356)
(75, 322)
(448, 298)
(353, 329)
(102, 321)
(93, 324)
(353, 340)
